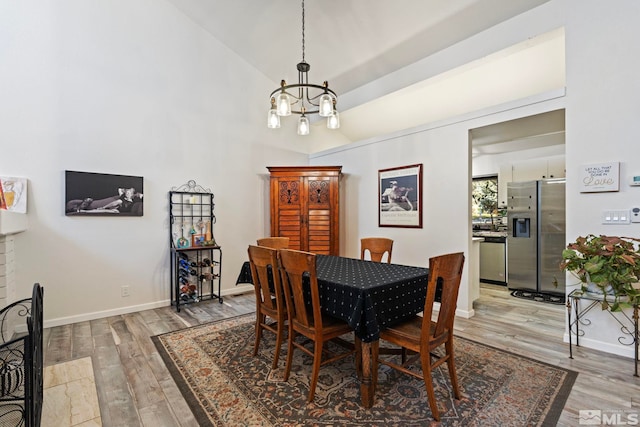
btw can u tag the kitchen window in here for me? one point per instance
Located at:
(485, 213)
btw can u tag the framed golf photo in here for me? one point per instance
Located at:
(400, 197)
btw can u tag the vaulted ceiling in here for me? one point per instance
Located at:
(353, 42)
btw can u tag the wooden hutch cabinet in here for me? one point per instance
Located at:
(305, 207)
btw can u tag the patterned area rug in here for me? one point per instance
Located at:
(226, 386)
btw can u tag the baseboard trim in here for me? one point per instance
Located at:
(60, 321)
(620, 350)
(465, 314)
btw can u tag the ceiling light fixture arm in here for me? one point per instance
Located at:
(303, 94)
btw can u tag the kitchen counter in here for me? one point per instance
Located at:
(490, 234)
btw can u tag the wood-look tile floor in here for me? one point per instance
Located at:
(134, 387)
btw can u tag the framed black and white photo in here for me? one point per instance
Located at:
(400, 197)
(91, 194)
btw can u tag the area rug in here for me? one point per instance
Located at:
(539, 296)
(225, 385)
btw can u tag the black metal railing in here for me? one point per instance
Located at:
(21, 362)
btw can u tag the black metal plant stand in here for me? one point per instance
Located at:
(628, 337)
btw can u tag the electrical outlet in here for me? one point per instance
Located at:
(124, 291)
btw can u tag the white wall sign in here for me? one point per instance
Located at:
(600, 177)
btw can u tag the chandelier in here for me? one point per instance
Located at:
(303, 98)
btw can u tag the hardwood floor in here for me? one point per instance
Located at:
(135, 389)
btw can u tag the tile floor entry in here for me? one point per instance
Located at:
(64, 381)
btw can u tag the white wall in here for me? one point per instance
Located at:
(444, 150)
(601, 125)
(131, 88)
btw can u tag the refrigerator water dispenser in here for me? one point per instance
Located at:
(522, 227)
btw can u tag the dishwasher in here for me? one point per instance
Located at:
(493, 260)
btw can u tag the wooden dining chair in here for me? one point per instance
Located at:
(376, 246)
(422, 335)
(274, 242)
(308, 320)
(269, 296)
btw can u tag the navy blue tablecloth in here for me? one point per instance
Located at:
(369, 296)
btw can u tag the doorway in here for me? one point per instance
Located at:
(515, 150)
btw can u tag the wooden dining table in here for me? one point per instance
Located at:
(369, 296)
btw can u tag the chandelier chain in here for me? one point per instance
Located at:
(303, 31)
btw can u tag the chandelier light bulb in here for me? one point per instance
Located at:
(284, 104)
(273, 119)
(325, 107)
(333, 121)
(303, 125)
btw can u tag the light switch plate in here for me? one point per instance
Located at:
(616, 217)
(635, 215)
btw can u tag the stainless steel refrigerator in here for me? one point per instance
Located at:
(536, 235)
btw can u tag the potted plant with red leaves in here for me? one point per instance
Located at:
(607, 266)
